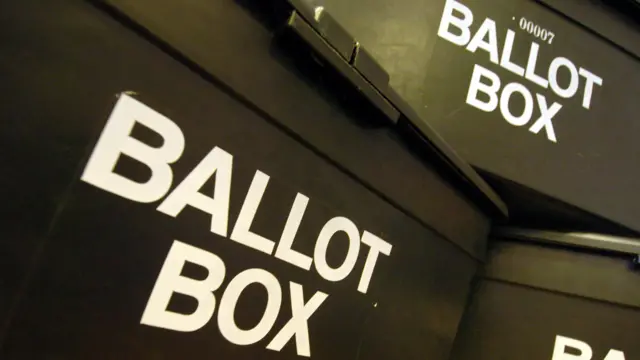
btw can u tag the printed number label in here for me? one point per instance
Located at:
(536, 30)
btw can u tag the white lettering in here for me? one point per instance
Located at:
(219, 162)
(561, 345)
(241, 230)
(505, 97)
(531, 67)
(297, 325)
(284, 251)
(478, 41)
(320, 253)
(553, 77)
(546, 115)
(226, 321)
(588, 86)
(505, 61)
(170, 280)
(376, 246)
(115, 140)
(461, 23)
(614, 355)
(490, 89)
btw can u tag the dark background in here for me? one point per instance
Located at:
(78, 263)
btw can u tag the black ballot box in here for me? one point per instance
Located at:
(178, 185)
(558, 296)
(540, 96)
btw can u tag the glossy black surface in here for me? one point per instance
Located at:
(508, 322)
(596, 275)
(335, 34)
(529, 293)
(101, 253)
(304, 106)
(614, 20)
(364, 62)
(318, 45)
(46, 107)
(592, 166)
(577, 240)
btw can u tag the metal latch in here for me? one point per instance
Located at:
(361, 75)
(346, 57)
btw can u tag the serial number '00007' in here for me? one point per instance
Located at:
(537, 31)
(486, 91)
